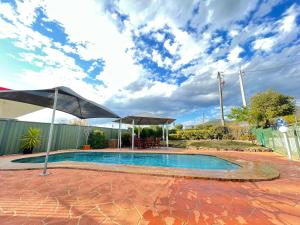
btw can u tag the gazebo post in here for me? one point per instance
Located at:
(44, 173)
(139, 132)
(167, 135)
(132, 135)
(78, 133)
(163, 132)
(119, 135)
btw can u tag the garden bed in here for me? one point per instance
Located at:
(224, 145)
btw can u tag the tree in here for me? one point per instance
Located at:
(179, 127)
(239, 114)
(270, 104)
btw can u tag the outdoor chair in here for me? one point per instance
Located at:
(139, 143)
(157, 142)
(149, 142)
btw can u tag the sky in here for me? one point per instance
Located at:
(159, 56)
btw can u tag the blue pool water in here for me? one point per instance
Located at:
(203, 162)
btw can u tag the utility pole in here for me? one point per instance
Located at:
(221, 83)
(241, 74)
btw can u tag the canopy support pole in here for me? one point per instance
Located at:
(50, 134)
(132, 135)
(163, 132)
(167, 135)
(78, 134)
(119, 135)
(139, 131)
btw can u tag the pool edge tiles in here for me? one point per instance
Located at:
(249, 171)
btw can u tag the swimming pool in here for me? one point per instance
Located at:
(188, 161)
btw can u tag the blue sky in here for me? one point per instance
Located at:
(155, 56)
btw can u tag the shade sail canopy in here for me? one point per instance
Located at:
(145, 119)
(68, 101)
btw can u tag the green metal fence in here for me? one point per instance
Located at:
(65, 136)
(274, 139)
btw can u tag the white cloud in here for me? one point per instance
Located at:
(159, 36)
(171, 47)
(144, 12)
(265, 44)
(288, 23)
(233, 56)
(233, 33)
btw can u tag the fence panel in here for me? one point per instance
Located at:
(65, 136)
(274, 139)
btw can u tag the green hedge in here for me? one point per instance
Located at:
(97, 139)
(214, 132)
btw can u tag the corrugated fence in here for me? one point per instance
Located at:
(274, 139)
(65, 136)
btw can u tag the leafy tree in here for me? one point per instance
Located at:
(179, 127)
(239, 114)
(270, 104)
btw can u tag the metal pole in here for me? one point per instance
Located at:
(78, 133)
(242, 88)
(163, 132)
(167, 134)
(50, 133)
(119, 134)
(221, 99)
(288, 145)
(132, 135)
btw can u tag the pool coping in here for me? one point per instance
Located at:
(248, 171)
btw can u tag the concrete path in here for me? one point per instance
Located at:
(71, 196)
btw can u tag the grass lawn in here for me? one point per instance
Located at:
(219, 144)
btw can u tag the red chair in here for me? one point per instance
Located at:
(149, 142)
(139, 143)
(157, 142)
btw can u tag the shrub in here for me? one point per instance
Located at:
(228, 137)
(126, 139)
(192, 134)
(31, 139)
(97, 139)
(248, 137)
(290, 119)
(218, 132)
(174, 137)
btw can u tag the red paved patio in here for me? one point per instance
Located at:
(91, 197)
